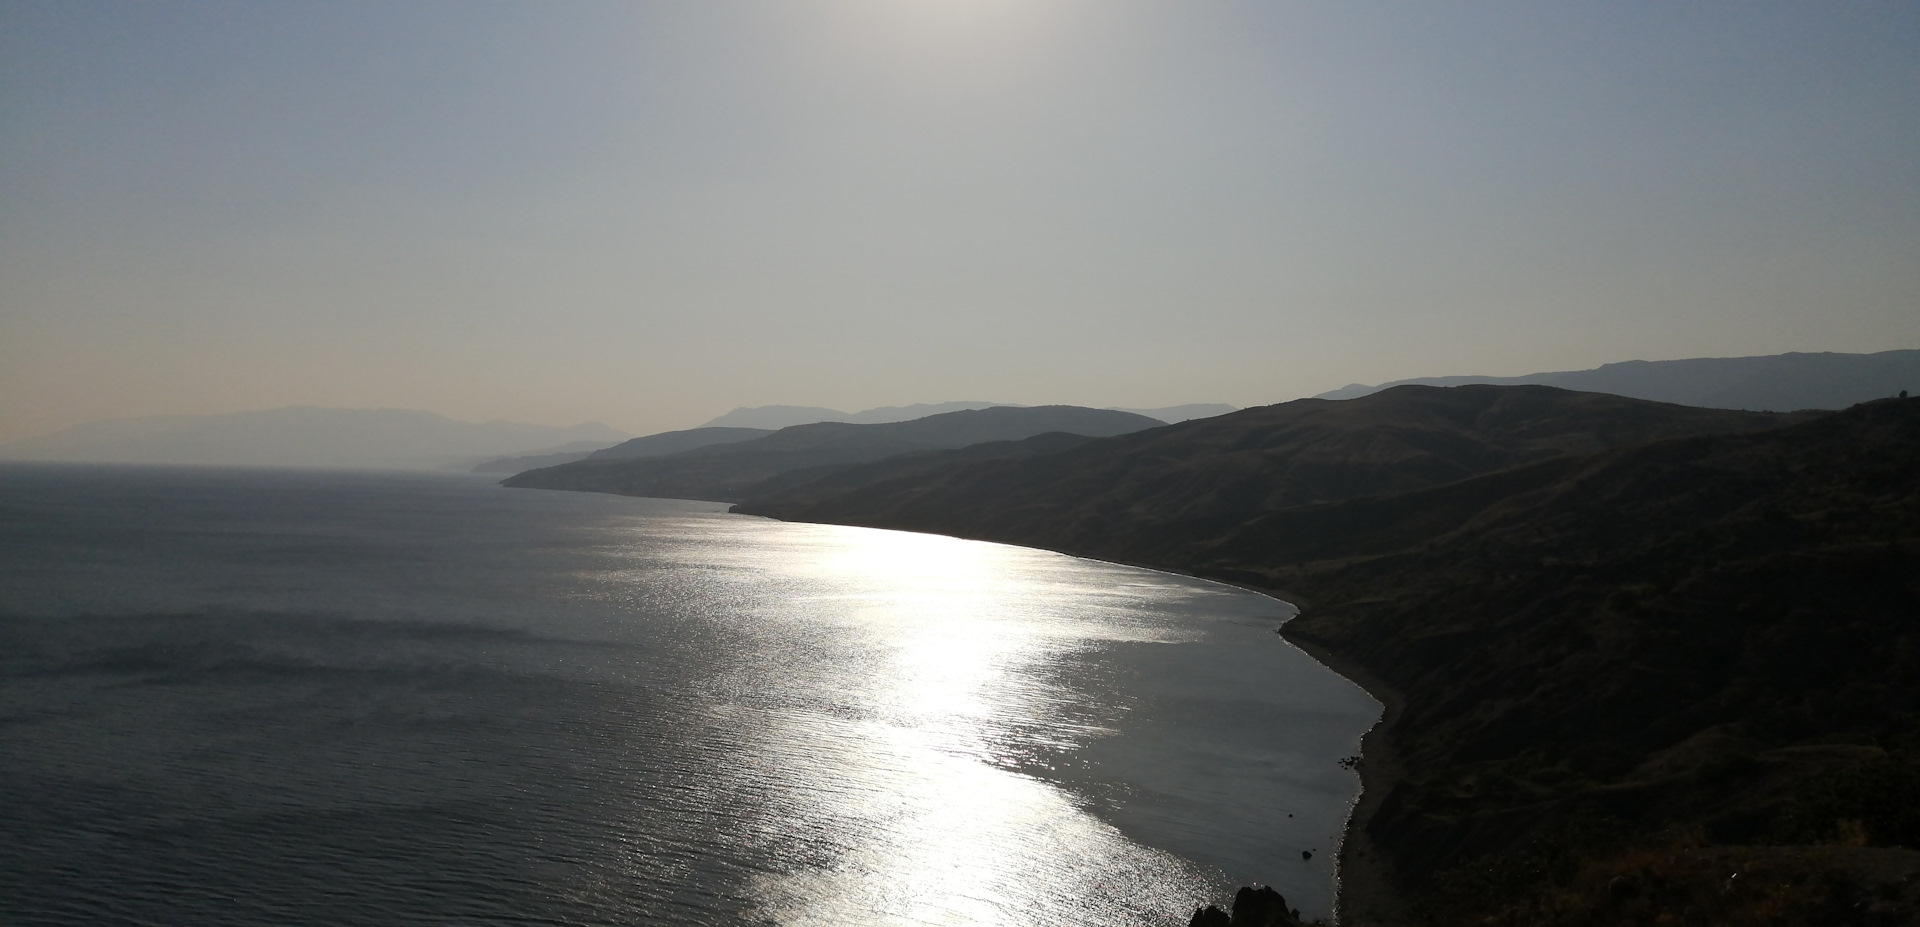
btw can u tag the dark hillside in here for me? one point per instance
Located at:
(1777, 381)
(728, 472)
(1130, 496)
(654, 445)
(675, 442)
(905, 471)
(1625, 674)
(1716, 638)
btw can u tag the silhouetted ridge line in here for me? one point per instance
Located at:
(1780, 381)
(1139, 494)
(732, 471)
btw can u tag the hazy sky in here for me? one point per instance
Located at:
(649, 213)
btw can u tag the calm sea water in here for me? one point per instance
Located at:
(252, 697)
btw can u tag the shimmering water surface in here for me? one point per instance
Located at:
(246, 697)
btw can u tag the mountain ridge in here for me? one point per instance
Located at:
(776, 417)
(1254, 460)
(1775, 382)
(728, 472)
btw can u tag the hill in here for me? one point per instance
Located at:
(674, 442)
(304, 436)
(654, 445)
(1140, 495)
(1780, 382)
(1183, 413)
(548, 457)
(1647, 667)
(773, 418)
(729, 472)
(1618, 675)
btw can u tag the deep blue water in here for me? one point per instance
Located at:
(249, 697)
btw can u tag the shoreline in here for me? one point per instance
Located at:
(1360, 871)
(1364, 891)
(1364, 894)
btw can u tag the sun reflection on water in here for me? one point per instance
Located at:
(888, 703)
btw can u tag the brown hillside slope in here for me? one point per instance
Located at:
(1626, 675)
(1120, 497)
(730, 472)
(1717, 637)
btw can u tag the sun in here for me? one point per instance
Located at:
(938, 33)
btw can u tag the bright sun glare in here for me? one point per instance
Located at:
(938, 34)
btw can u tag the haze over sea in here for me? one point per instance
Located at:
(250, 696)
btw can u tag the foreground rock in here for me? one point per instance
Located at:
(1253, 906)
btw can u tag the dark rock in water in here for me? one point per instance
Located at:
(1260, 907)
(1210, 916)
(1252, 907)
(1306, 854)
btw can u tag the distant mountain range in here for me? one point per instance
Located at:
(305, 436)
(776, 417)
(732, 471)
(1777, 382)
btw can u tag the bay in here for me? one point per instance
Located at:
(249, 696)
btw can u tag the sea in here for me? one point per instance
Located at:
(233, 696)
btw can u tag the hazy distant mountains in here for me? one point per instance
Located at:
(305, 436)
(1778, 382)
(776, 417)
(732, 471)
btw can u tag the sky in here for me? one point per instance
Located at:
(649, 213)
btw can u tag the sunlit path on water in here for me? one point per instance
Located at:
(922, 680)
(240, 697)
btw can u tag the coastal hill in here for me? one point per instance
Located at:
(545, 457)
(775, 417)
(674, 442)
(730, 472)
(305, 436)
(1781, 382)
(1643, 668)
(1192, 410)
(654, 445)
(1136, 495)
(1624, 660)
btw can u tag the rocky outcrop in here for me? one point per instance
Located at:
(1253, 906)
